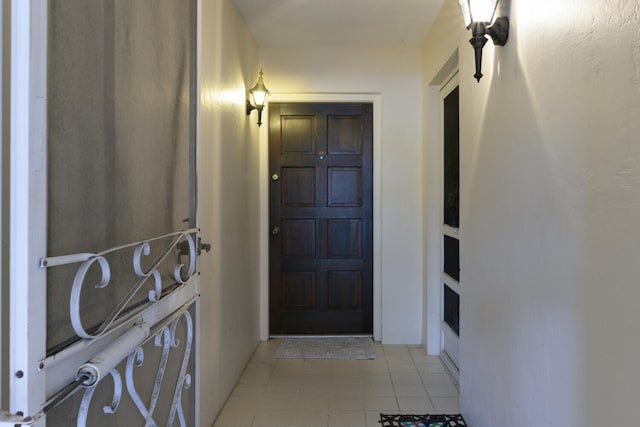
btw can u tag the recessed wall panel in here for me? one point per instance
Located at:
(299, 238)
(451, 254)
(344, 135)
(297, 135)
(451, 205)
(345, 187)
(298, 290)
(344, 238)
(345, 289)
(298, 187)
(451, 309)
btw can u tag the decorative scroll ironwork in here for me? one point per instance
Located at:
(166, 339)
(140, 327)
(109, 409)
(181, 274)
(89, 375)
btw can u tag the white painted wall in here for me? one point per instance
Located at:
(550, 187)
(395, 75)
(228, 197)
(440, 60)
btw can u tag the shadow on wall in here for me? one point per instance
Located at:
(227, 191)
(522, 252)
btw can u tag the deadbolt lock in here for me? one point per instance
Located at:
(275, 177)
(275, 230)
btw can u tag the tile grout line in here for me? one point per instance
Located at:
(424, 385)
(266, 375)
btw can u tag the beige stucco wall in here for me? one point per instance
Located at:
(549, 200)
(228, 204)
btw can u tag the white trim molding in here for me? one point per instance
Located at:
(434, 205)
(28, 190)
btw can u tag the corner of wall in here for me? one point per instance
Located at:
(228, 194)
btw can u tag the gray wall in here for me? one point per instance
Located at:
(118, 144)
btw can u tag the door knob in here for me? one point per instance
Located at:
(275, 230)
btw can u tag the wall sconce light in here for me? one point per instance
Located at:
(479, 16)
(259, 95)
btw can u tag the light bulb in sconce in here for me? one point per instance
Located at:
(479, 16)
(259, 95)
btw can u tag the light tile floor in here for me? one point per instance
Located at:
(335, 393)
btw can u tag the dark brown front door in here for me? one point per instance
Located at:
(321, 217)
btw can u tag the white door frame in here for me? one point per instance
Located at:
(434, 192)
(450, 340)
(376, 100)
(28, 213)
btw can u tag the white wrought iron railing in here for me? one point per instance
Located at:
(121, 335)
(165, 337)
(141, 248)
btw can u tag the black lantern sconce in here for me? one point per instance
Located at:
(479, 16)
(259, 95)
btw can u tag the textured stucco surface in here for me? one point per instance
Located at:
(549, 198)
(228, 213)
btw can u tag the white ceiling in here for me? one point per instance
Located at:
(339, 22)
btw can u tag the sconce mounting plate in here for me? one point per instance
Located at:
(499, 31)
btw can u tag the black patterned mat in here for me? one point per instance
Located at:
(429, 420)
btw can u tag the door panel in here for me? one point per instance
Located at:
(345, 187)
(321, 204)
(299, 238)
(345, 289)
(344, 238)
(451, 289)
(345, 135)
(298, 187)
